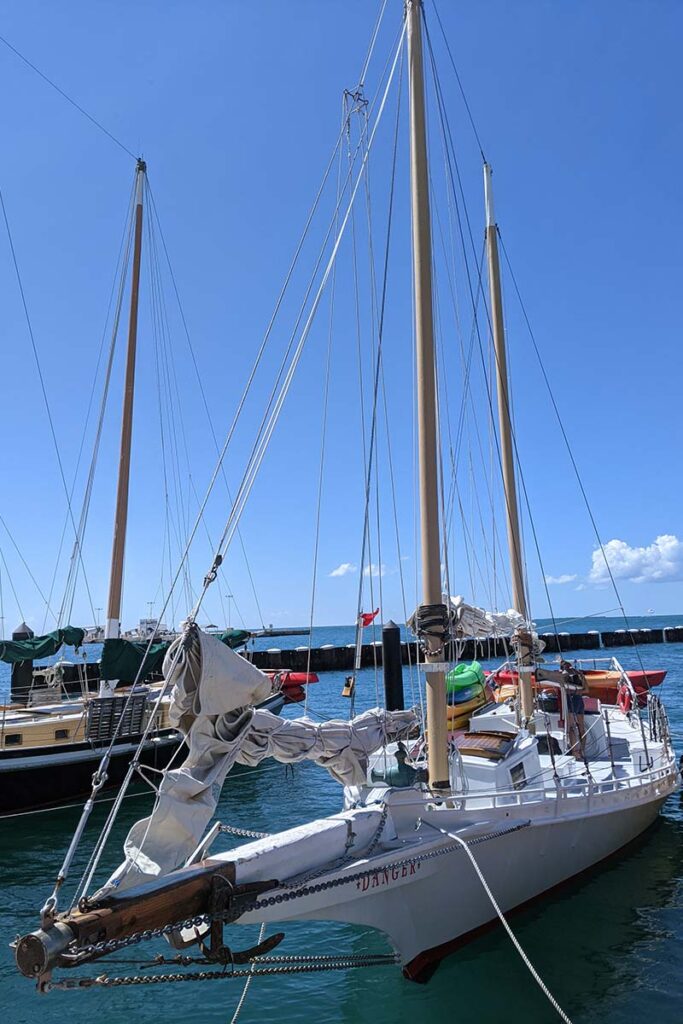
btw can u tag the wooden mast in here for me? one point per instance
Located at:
(526, 702)
(432, 593)
(113, 624)
(507, 454)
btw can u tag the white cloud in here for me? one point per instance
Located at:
(343, 570)
(658, 562)
(564, 578)
(375, 570)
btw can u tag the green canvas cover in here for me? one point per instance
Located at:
(234, 637)
(123, 659)
(13, 651)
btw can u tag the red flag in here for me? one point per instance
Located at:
(367, 617)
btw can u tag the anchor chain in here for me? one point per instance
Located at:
(332, 964)
(244, 832)
(298, 891)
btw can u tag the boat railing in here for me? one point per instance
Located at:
(566, 787)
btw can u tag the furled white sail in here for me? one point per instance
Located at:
(467, 620)
(208, 680)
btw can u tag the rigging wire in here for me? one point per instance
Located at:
(443, 116)
(106, 830)
(537, 352)
(366, 546)
(459, 81)
(69, 99)
(11, 583)
(267, 423)
(263, 439)
(66, 606)
(568, 446)
(378, 376)
(43, 389)
(27, 567)
(205, 402)
(323, 435)
(445, 127)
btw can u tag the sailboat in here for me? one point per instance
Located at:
(62, 719)
(440, 833)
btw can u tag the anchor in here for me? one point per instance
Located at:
(221, 898)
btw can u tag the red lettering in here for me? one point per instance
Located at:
(375, 880)
(394, 873)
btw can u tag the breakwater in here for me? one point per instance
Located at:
(332, 658)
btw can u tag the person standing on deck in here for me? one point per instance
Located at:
(575, 686)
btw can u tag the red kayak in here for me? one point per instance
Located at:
(291, 683)
(285, 678)
(601, 683)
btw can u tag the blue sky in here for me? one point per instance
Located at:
(236, 108)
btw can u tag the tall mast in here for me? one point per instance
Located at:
(426, 394)
(511, 508)
(113, 624)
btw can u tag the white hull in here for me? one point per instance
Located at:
(446, 901)
(441, 900)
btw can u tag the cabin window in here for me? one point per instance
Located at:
(518, 777)
(61, 734)
(14, 739)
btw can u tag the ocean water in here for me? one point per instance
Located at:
(609, 945)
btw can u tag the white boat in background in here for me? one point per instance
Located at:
(441, 833)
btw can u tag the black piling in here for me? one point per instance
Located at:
(22, 671)
(393, 668)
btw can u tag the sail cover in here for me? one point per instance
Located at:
(214, 691)
(130, 660)
(13, 651)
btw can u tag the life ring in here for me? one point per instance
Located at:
(624, 698)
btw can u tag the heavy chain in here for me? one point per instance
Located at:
(298, 890)
(319, 964)
(245, 832)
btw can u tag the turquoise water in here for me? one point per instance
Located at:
(610, 945)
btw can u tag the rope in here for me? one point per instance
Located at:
(238, 1008)
(527, 962)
